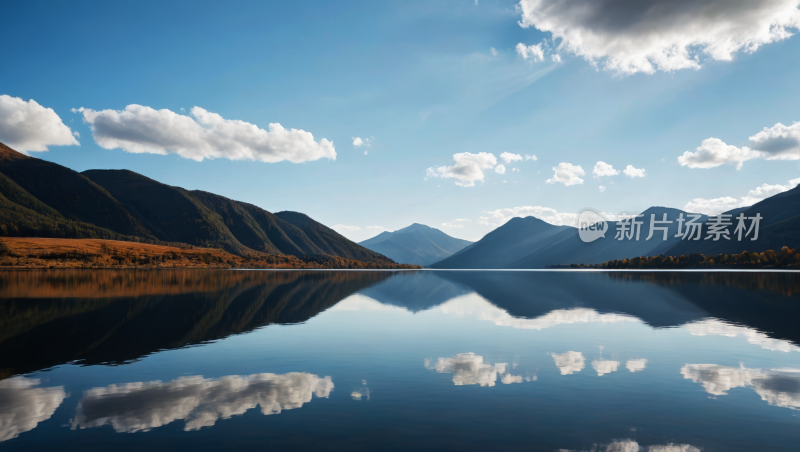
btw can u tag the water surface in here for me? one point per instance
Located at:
(661, 361)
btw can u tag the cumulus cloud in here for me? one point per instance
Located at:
(660, 35)
(366, 142)
(500, 169)
(778, 142)
(140, 129)
(534, 52)
(28, 126)
(636, 365)
(25, 404)
(556, 58)
(345, 228)
(567, 174)
(714, 327)
(726, 203)
(468, 168)
(569, 362)
(199, 401)
(468, 369)
(603, 169)
(604, 366)
(531, 157)
(632, 172)
(778, 387)
(713, 152)
(602, 188)
(510, 158)
(514, 170)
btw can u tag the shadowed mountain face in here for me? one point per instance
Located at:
(43, 199)
(330, 241)
(417, 244)
(114, 316)
(780, 227)
(56, 193)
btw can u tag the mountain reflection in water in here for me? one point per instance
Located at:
(669, 361)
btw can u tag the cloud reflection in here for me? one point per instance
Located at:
(778, 387)
(569, 362)
(719, 328)
(141, 406)
(604, 366)
(629, 445)
(636, 365)
(469, 369)
(23, 404)
(475, 306)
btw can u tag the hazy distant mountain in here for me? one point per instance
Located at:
(532, 243)
(417, 244)
(43, 199)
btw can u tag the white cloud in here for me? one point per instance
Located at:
(632, 172)
(345, 228)
(726, 203)
(602, 188)
(778, 142)
(141, 129)
(636, 365)
(366, 142)
(531, 157)
(500, 169)
(508, 379)
(25, 404)
(660, 35)
(534, 52)
(604, 366)
(494, 51)
(510, 158)
(467, 169)
(556, 58)
(28, 126)
(381, 228)
(778, 387)
(501, 216)
(567, 173)
(569, 362)
(714, 152)
(603, 169)
(514, 170)
(468, 369)
(142, 406)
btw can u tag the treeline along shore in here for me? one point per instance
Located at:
(25, 252)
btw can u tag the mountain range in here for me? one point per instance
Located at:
(416, 244)
(532, 243)
(43, 199)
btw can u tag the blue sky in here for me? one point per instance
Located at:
(422, 80)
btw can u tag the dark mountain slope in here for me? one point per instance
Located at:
(330, 241)
(22, 215)
(416, 244)
(518, 238)
(70, 193)
(779, 227)
(571, 249)
(171, 213)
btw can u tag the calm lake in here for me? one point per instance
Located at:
(369, 360)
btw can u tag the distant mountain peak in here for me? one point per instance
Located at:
(418, 244)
